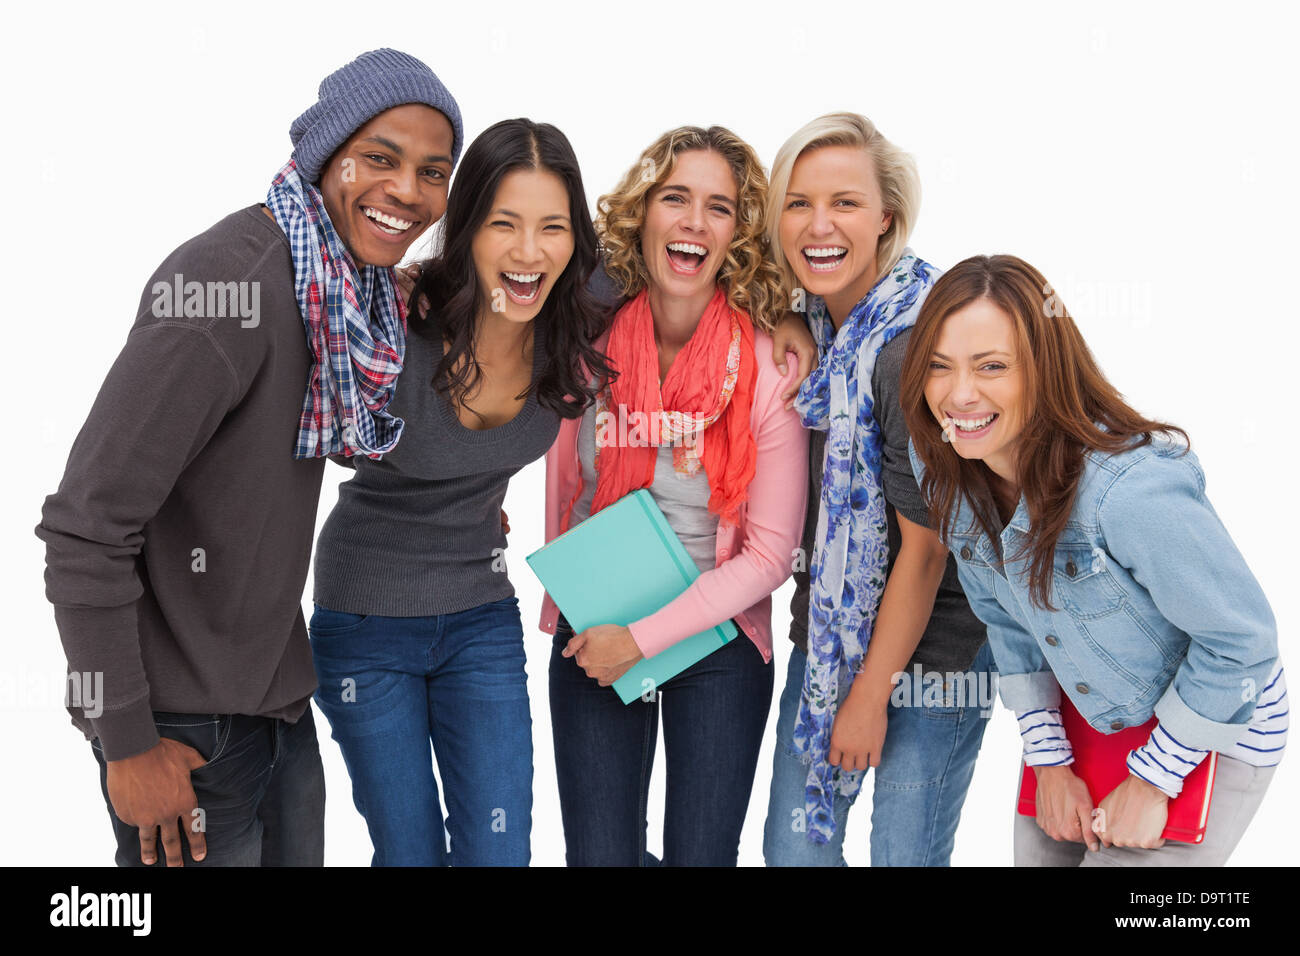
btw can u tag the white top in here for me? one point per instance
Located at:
(684, 499)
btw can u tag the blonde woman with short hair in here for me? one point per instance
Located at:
(881, 595)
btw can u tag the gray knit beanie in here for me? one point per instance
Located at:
(354, 94)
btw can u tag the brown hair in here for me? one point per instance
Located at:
(1066, 398)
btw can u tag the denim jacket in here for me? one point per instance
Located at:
(1156, 610)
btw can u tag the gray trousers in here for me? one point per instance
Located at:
(1238, 790)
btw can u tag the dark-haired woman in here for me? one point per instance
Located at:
(1086, 544)
(416, 633)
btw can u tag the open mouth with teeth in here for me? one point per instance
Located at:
(686, 258)
(824, 258)
(973, 427)
(522, 287)
(386, 224)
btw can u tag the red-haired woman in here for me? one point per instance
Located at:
(1087, 546)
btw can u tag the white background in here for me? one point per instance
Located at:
(1142, 156)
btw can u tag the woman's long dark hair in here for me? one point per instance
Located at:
(571, 316)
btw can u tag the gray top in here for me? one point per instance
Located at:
(178, 542)
(684, 499)
(418, 533)
(954, 634)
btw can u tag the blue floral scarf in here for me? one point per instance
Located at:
(852, 546)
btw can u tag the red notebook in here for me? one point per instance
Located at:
(1100, 759)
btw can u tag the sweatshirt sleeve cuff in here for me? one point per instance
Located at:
(1033, 691)
(103, 645)
(1192, 730)
(126, 732)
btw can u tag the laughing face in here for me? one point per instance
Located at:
(831, 222)
(975, 384)
(524, 244)
(388, 183)
(690, 220)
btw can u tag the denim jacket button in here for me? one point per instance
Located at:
(1117, 725)
(1051, 639)
(1081, 688)
(1071, 569)
(965, 552)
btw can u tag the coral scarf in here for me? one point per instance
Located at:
(710, 386)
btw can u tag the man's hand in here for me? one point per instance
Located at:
(791, 335)
(1064, 806)
(505, 522)
(606, 652)
(1133, 814)
(858, 733)
(407, 276)
(153, 790)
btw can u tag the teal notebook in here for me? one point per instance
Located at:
(618, 566)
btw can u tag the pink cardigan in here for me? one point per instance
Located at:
(754, 556)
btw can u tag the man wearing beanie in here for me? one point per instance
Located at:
(178, 542)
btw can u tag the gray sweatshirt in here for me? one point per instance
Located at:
(178, 542)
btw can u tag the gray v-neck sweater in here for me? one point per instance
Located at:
(418, 533)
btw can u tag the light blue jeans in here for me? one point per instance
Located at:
(391, 686)
(920, 784)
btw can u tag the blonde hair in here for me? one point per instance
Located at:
(747, 274)
(900, 184)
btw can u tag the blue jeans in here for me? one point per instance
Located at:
(262, 791)
(921, 782)
(714, 715)
(389, 686)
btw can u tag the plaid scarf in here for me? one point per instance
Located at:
(852, 543)
(355, 361)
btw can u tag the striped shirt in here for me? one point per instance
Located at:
(1163, 761)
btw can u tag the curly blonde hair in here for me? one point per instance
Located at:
(748, 275)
